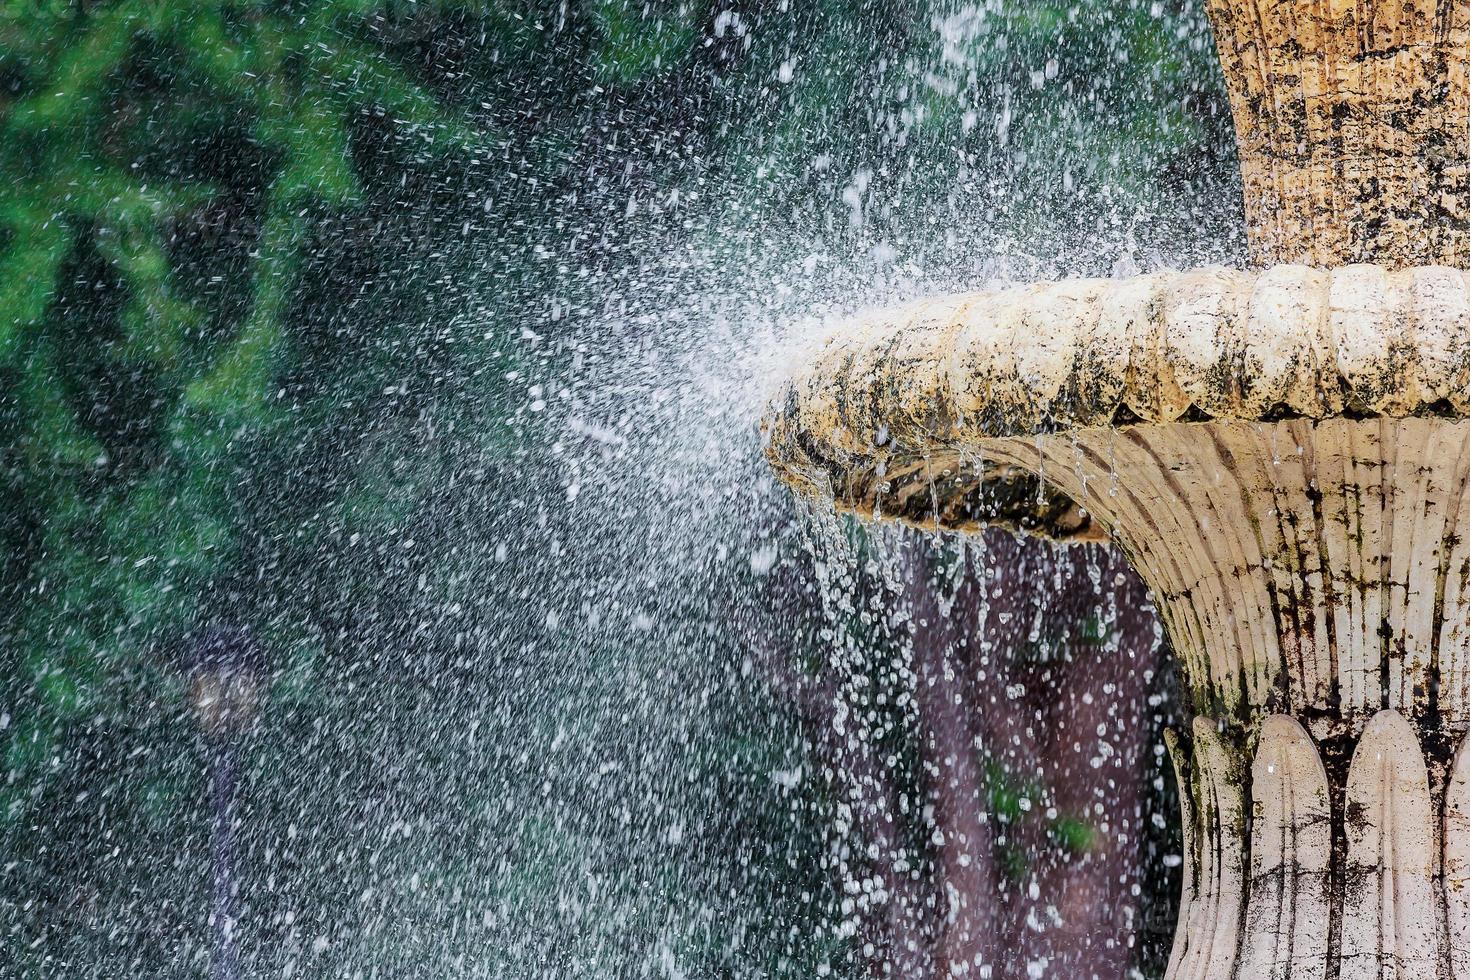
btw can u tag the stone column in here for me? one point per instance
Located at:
(1353, 122)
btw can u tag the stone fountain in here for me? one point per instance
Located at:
(1282, 452)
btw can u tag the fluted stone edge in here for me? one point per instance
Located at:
(891, 419)
(1263, 895)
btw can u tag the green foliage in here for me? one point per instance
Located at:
(232, 387)
(1038, 121)
(635, 45)
(166, 166)
(128, 514)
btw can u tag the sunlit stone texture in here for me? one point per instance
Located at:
(1353, 121)
(1283, 453)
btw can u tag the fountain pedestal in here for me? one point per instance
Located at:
(1315, 578)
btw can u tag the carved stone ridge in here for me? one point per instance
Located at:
(1263, 896)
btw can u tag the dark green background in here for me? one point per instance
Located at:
(312, 316)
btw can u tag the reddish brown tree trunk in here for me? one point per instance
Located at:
(1005, 687)
(1006, 676)
(964, 883)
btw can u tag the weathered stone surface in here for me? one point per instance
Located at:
(1344, 873)
(1193, 837)
(891, 419)
(1291, 854)
(1312, 567)
(1391, 921)
(1353, 123)
(1457, 860)
(1207, 941)
(1318, 569)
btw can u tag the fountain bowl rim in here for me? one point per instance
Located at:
(894, 399)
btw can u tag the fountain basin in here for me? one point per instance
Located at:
(1283, 456)
(893, 418)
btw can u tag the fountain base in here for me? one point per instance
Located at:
(1314, 578)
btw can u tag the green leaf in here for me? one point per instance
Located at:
(211, 51)
(239, 383)
(27, 750)
(1075, 834)
(640, 39)
(54, 443)
(60, 693)
(28, 271)
(319, 158)
(366, 78)
(155, 321)
(74, 87)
